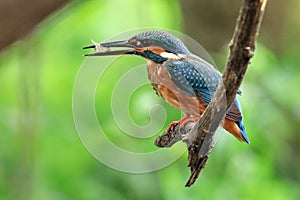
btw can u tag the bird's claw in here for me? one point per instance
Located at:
(182, 122)
(172, 126)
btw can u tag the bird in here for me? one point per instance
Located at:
(184, 80)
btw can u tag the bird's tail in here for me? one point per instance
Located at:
(240, 124)
(243, 131)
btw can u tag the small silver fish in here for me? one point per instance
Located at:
(99, 48)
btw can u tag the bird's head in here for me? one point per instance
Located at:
(157, 46)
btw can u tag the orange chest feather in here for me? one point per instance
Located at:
(166, 88)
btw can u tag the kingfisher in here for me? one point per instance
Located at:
(184, 80)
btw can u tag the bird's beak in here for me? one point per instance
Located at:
(104, 48)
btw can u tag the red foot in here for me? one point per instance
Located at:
(183, 121)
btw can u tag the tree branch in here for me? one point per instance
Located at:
(200, 139)
(18, 17)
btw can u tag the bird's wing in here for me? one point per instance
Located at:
(196, 77)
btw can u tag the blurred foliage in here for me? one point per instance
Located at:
(42, 156)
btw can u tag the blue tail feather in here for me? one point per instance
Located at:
(240, 123)
(243, 131)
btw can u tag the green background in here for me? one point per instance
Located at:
(42, 157)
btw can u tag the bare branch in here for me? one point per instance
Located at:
(241, 51)
(199, 138)
(18, 17)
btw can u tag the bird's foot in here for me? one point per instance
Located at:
(177, 131)
(182, 122)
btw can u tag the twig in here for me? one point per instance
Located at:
(200, 139)
(241, 51)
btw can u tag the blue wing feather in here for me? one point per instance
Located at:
(196, 77)
(194, 80)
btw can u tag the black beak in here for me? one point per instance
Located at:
(104, 48)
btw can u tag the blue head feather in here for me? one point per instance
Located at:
(161, 39)
(152, 56)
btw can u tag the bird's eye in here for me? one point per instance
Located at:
(145, 43)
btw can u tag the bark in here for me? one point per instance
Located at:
(200, 138)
